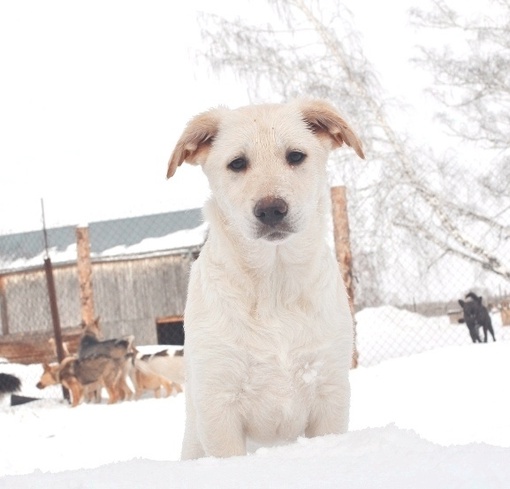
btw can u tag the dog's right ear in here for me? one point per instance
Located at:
(461, 302)
(194, 144)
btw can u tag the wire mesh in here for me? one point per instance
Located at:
(140, 268)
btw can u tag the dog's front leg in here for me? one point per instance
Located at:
(221, 429)
(191, 446)
(330, 413)
(213, 427)
(475, 334)
(76, 392)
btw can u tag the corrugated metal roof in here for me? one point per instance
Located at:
(104, 235)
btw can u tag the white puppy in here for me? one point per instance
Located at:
(269, 335)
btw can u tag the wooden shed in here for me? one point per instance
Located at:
(455, 315)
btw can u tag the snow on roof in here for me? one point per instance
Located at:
(142, 235)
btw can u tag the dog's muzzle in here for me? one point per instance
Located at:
(271, 213)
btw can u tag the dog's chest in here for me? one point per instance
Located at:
(283, 370)
(274, 343)
(276, 391)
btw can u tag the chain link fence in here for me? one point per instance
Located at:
(390, 332)
(140, 269)
(417, 308)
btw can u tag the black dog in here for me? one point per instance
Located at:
(9, 383)
(476, 316)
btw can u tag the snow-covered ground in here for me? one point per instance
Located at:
(440, 418)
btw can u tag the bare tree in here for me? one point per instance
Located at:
(400, 196)
(477, 109)
(472, 78)
(472, 84)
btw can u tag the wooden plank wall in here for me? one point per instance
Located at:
(129, 295)
(35, 347)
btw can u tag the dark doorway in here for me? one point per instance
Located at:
(170, 331)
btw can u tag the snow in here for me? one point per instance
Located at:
(439, 418)
(185, 238)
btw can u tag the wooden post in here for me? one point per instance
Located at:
(4, 316)
(343, 251)
(85, 275)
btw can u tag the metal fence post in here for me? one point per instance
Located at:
(4, 316)
(55, 318)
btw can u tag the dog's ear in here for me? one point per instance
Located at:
(325, 121)
(195, 142)
(461, 302)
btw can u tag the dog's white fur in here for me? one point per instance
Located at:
(169, 367)
(269, 333)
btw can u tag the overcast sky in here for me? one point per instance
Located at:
(94, 94)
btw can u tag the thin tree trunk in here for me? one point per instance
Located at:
(85, 275)
(343, 251)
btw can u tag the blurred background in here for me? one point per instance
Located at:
(93, 97)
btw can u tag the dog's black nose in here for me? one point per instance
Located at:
(270, 210)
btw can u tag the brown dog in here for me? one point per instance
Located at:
(92, 346)
(84, 376)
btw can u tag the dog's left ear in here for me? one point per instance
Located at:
(195, 142)
(324, 120)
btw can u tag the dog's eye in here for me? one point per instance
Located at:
(295, 157)
(237, 165)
